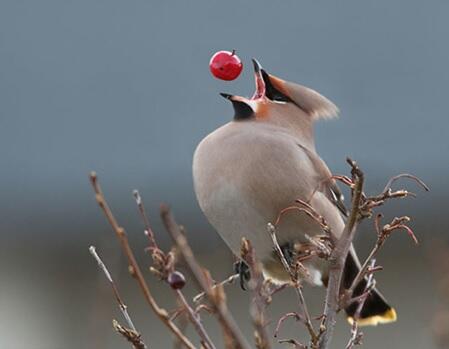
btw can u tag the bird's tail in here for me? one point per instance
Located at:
(376, 310)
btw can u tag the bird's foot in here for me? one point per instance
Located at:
(241, 268)
(288, 252)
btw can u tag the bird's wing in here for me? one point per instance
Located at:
(326, 184)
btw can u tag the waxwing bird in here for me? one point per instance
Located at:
(248, 170)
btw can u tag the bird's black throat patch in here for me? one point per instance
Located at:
(242, 111)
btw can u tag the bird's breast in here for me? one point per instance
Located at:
(243, 181)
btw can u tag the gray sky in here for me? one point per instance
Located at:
(123, 88)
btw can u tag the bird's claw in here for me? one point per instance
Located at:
(241, 268)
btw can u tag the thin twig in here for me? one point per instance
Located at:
(293, 342)
(148, 231)
(338, 258)
(182, 324)
(168, 264)
(365, 269)
(294, 315)
(382, 235)
(369, 203)
(260, 296)
(130, 335)
(121, 304)
(231, 330)
(226, 281)
(309, 211)
(296, 284)
(405, 175)
(356, 335)
(134, 267)
(196, 321)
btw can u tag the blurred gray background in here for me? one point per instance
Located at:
(123, 88)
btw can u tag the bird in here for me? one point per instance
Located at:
(250, 169)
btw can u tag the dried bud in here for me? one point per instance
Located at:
(176, 280)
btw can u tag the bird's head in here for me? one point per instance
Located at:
(275, 99)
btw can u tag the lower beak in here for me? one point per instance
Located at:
(260, 84)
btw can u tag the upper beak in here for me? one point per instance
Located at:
(234, 98)
(260, 83)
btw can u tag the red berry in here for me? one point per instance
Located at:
(176, 280)
(225, 65)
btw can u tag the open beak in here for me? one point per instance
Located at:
(244, 107)
(260, 83)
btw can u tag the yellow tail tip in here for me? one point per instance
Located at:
(385, 318)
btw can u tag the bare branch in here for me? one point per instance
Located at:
(148, 231)
(281, 320)
(121, 304)
(325, 246)
(130, 335)
(338, 258)
(382, 235)
(293, 342)
(296, 284)
(227, 281)
(309, 211)
(369, 203)
(405, 175)
(356, 334)
(214, 295)
(182, 324)
(133, 266)
(260, 296)
(196, 321)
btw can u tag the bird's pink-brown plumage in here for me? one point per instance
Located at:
(250, 169)
(247, 171)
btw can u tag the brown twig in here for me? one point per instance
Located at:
(309, 211)
(369, 203)
(130, 335)
(196, 321)
(325, 246)
(134, 268)
(293, 342)
(356, 334)
(382, 235)
(296, 284)
(405, 175)
(233, 336)
(204, 308)
(260, 295)
(227, 281)
(183, 322)
(362, 207)
(281, 320)
(338, 258)
(121, 304)
(165, 266)
(148, 231)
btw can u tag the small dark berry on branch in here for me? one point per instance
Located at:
(176, 280)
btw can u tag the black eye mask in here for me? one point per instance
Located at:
(271, 92)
